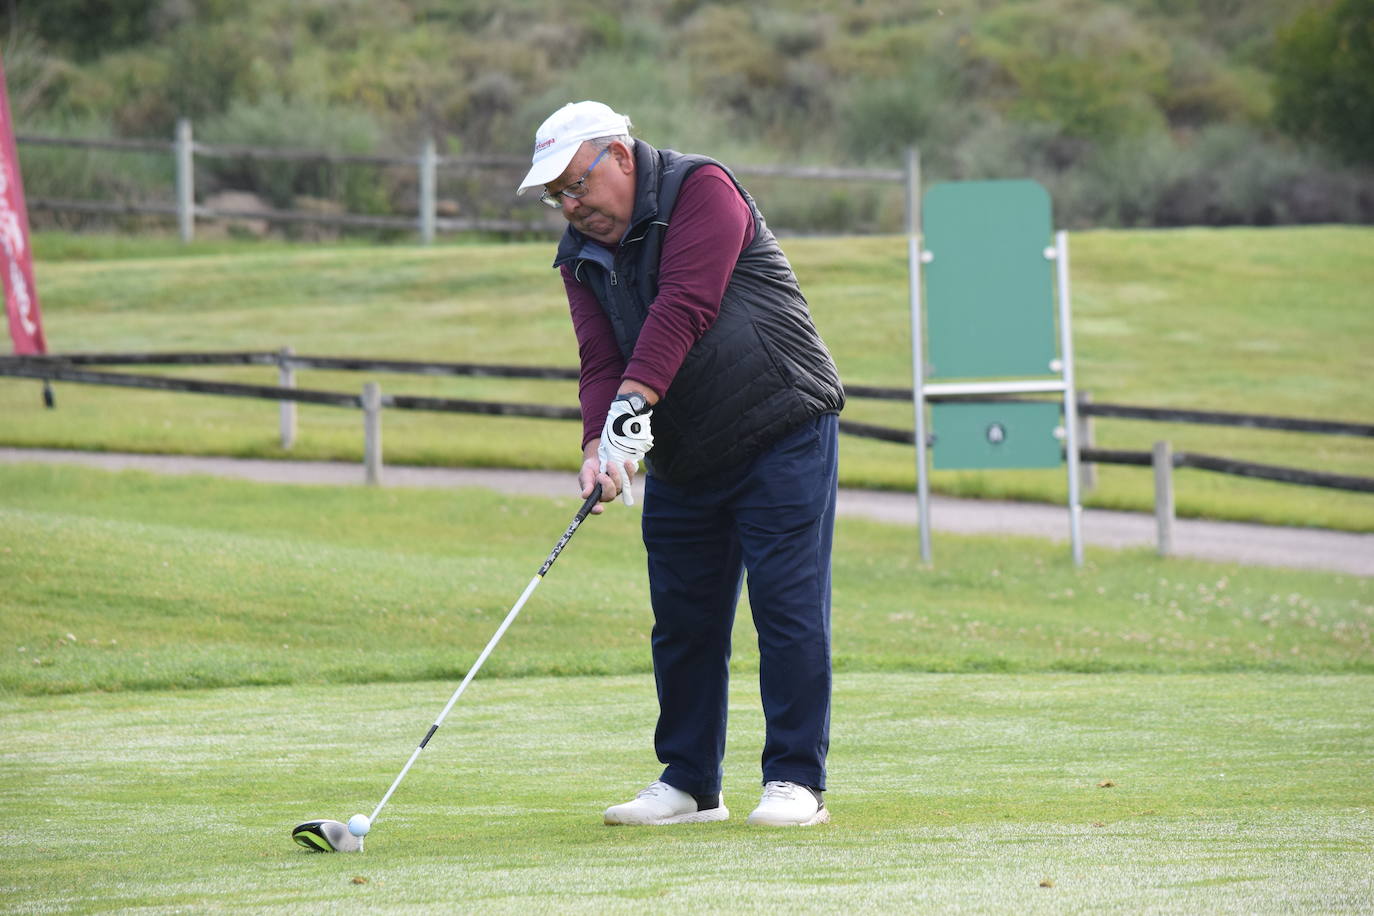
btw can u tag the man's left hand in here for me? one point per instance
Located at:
(625, 439)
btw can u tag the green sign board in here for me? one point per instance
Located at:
(1001, 434)
(989, 289)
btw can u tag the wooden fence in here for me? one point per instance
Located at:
(1162, 458)
(427, 163)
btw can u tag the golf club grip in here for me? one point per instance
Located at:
(589, 502)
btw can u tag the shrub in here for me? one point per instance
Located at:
(1118, 184)
(881, 118)
(1324, 78)
(84, 29)
(1090, 70)
(730, 65)
(1231, 175)
(278, 122)
(1202, 88)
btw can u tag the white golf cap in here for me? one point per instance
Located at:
(558, 138)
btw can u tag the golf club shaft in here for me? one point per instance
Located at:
(491, 644)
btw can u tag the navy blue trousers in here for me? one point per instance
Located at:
(774, 518)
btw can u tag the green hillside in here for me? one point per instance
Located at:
(1133, 112)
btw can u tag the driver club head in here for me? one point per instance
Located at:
(326, 836)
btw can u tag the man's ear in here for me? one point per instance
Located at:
(624, 157)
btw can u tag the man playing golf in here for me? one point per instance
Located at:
(696, 342)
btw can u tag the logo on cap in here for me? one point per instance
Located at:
(545, 144)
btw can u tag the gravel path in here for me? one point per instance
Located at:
(1231, 542)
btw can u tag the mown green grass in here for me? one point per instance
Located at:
(1249, 320)
(190, 666)
(972, 793)
(133, 581)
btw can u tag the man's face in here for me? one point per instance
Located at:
(603, 212)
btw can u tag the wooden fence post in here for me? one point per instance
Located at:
(286, 378)
(429, 163)
(1163, 461)
(372, 433)
(185, 180)
(1087, 470)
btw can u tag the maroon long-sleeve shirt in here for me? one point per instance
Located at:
(709, 226)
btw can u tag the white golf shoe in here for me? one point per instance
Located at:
(787, 804)
(660, 803)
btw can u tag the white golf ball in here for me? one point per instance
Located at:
(359, 825)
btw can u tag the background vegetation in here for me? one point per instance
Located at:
(1133, 112)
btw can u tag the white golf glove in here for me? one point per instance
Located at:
(625, 437)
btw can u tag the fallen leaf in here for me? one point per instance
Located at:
(1047, 883)
(1106, 784)
(359, 879)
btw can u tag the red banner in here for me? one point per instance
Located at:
(16, 260)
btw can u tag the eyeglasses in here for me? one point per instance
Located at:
(574, 190)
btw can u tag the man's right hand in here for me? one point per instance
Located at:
(588, 477)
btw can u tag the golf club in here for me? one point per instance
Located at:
(333, 836)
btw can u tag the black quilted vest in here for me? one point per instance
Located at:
(758, 373)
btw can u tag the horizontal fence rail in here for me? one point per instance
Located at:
(60, 373)
(354, 220)
(107, 207)
(1271, 472)
(1158, 414)
(427, 162)
(64, 367)
(472, 161)
(1223, 418)
(106, 143)
(299, 361)
(1233, 467)
(881, 433)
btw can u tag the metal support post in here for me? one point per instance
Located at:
(914, 257)
(1061, 244)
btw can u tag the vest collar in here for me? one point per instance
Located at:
(648, 178)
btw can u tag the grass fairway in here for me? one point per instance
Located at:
(1250, 320)
(191, 666)
(951, 793)
(133, 581)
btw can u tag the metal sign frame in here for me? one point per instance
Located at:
(1063, 368)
